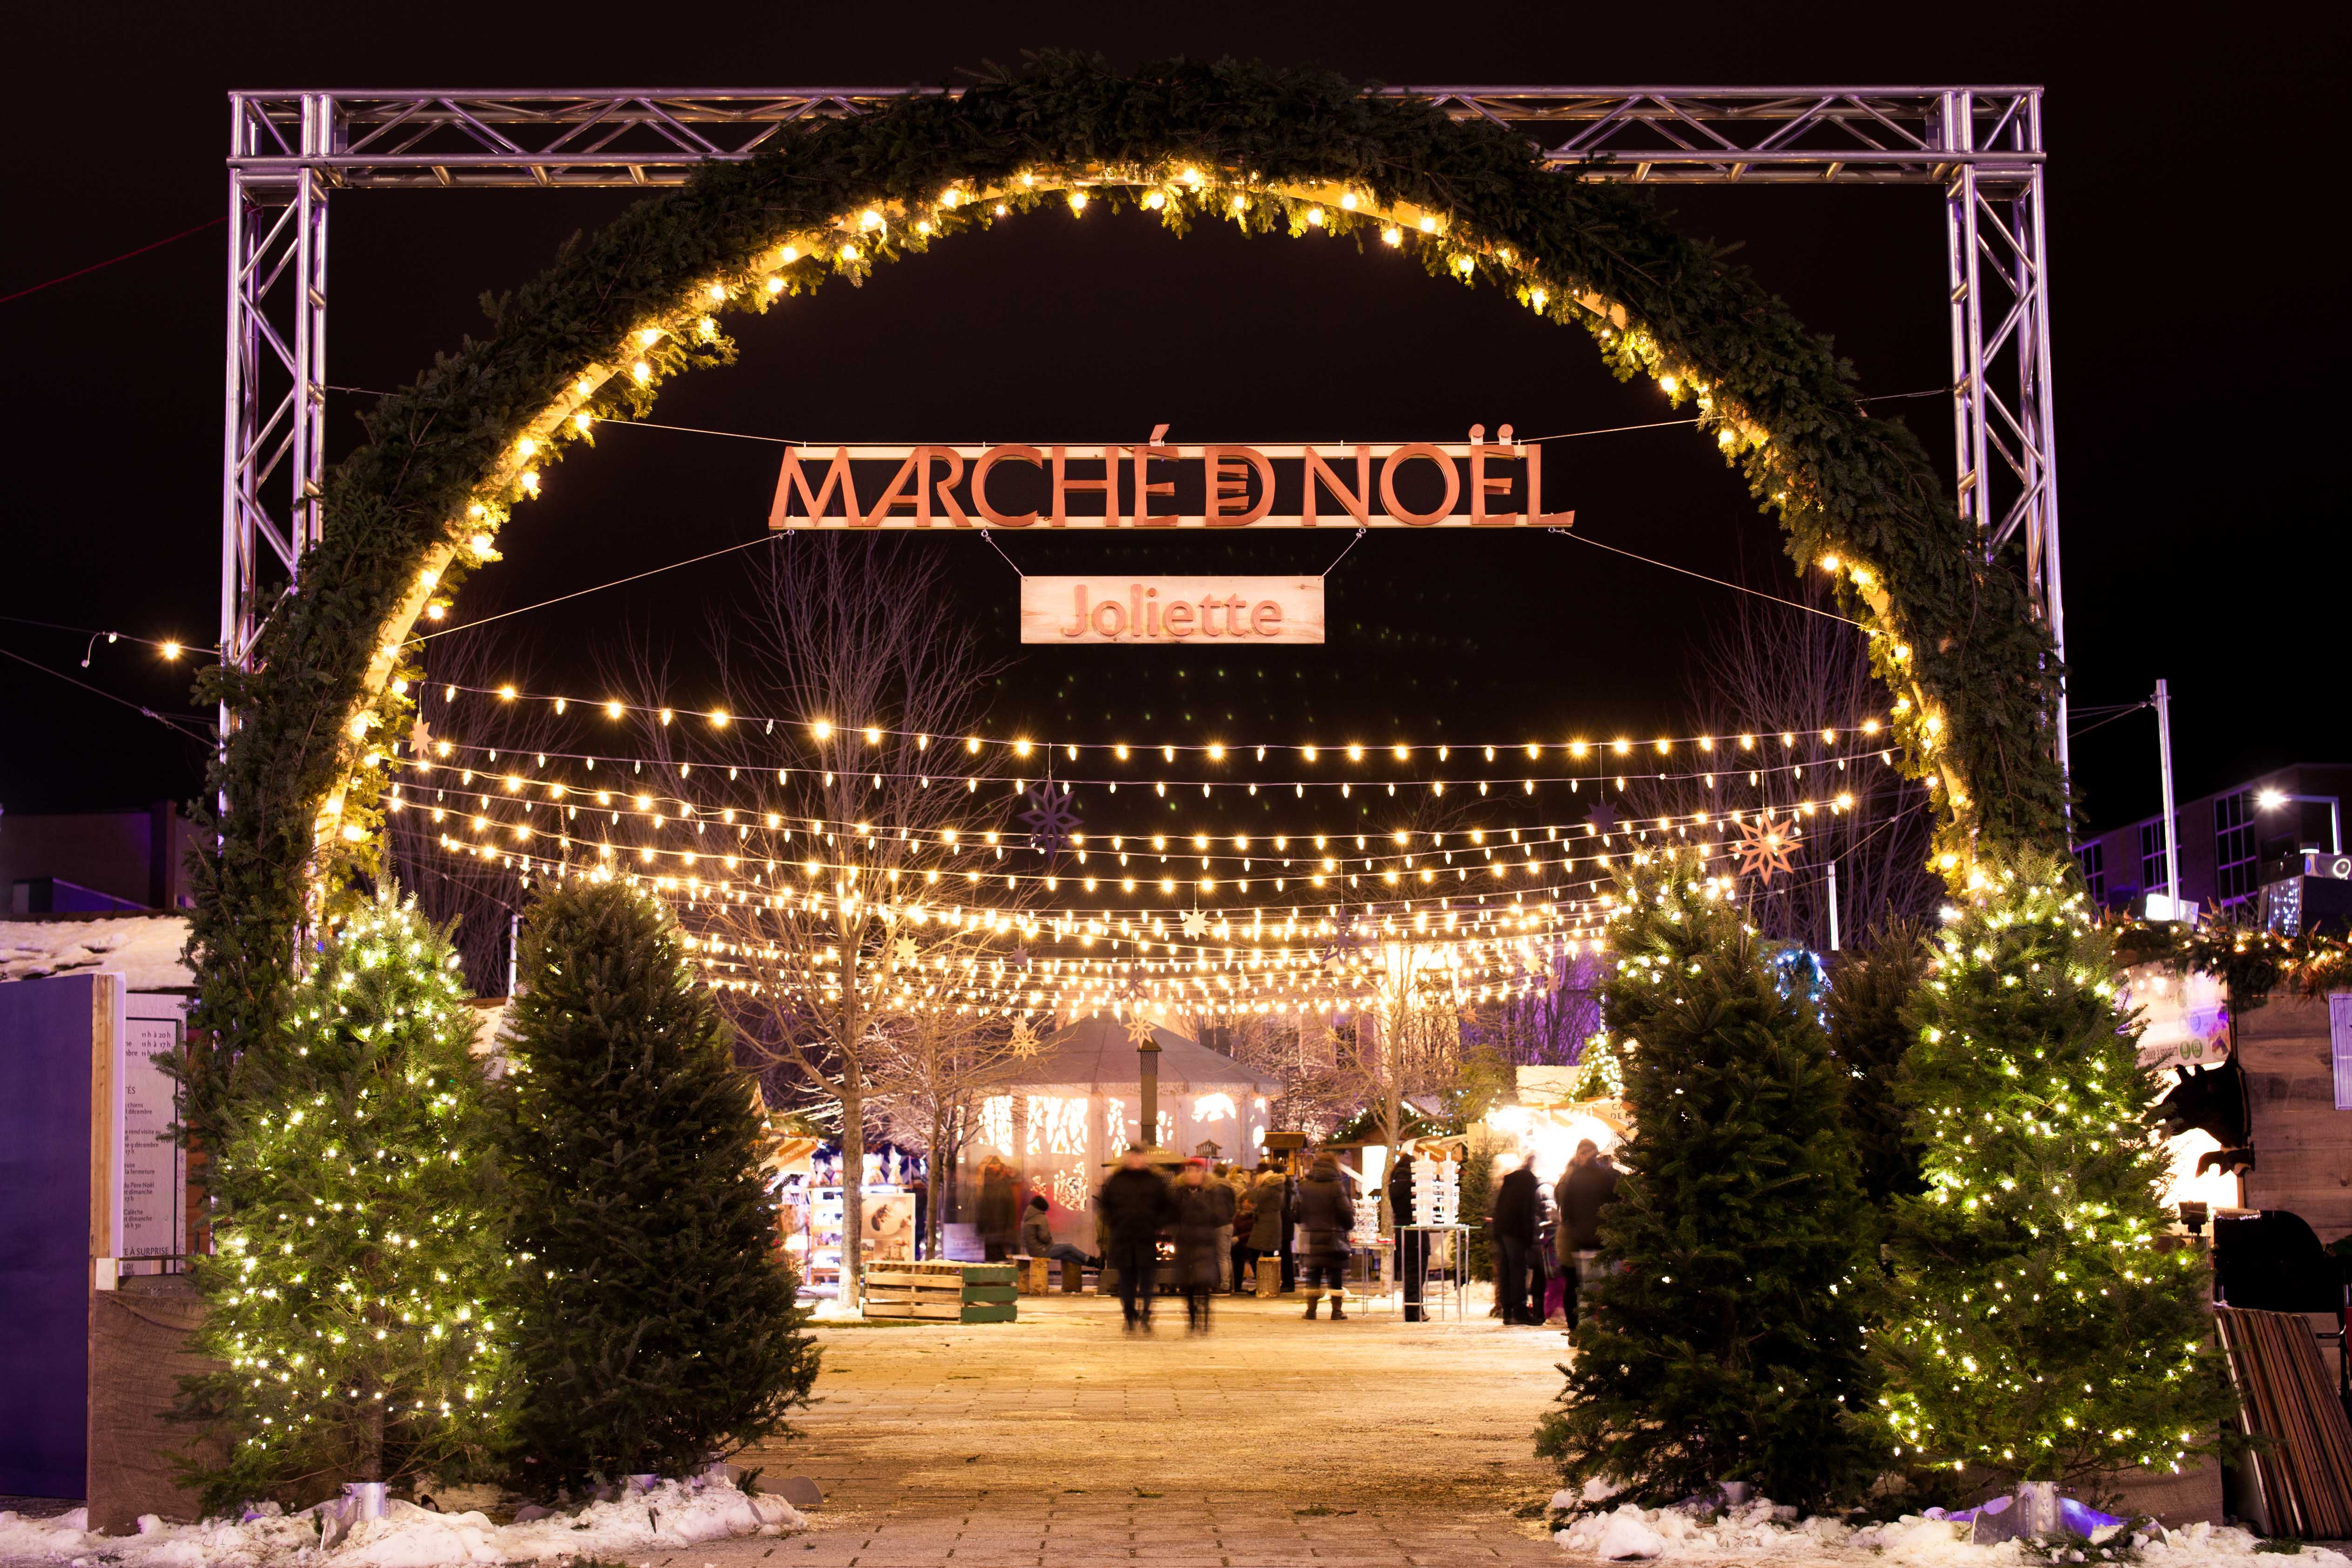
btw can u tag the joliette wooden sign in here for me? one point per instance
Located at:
(1476, 483)
(1112, 608)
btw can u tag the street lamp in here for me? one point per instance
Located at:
(2272, 799)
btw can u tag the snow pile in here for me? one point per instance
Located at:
(1700, 1534)
(672, 1514)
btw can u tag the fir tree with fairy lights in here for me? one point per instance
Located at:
(1870, 994)
(1727, 1343)
(656, 1323)
(357, 1256)
(2045, 1331)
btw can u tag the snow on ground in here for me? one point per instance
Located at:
(1758, 1530)
(143, 948)
(673, 1514)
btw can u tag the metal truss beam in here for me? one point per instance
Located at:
(1982, 146)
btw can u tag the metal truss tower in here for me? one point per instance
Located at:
(1982, 146)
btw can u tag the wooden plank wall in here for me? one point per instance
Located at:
(2303, 1144)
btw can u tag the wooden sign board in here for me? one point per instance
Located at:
(1171, 610)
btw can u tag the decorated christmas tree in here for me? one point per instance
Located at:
(1870, 993)
(1727, 1344)
(2043, 1333)
(655, 1326)
(358, 1259)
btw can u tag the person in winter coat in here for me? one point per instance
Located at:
(1325, 1217)
(1134, 1204)
(1269, 1217)
(999, 1217)
(1412, 1249)
(1223, 1175)
(1200, 1210)
(1588, 1186)
(1037, 1238)
(1516, 1203)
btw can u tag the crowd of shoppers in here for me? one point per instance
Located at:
(1539, 1256)
(1225, 1226)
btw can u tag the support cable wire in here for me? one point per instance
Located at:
(1360, 532)
(204, 739)
(990, 535)
(1718, 582)
(649, 572)
(804, 441)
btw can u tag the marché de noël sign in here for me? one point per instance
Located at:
(1474, 484)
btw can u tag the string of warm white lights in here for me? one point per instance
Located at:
(815, 736)
(496, 818)
(453, 752)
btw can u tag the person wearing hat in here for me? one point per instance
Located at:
(1037, 1238)
(1325, 1217)
(1200, 1213)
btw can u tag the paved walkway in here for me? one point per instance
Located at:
(1060, 1439)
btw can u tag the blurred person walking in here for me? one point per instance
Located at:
(1514, 1222)
(1201, 1211)
(1588, 1186)
(1326, 1215)
(1134, 1204)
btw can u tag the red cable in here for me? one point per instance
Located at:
(112, 259)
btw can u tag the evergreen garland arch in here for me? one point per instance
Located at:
(1974, 675)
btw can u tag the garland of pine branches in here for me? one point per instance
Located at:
(1974, 674)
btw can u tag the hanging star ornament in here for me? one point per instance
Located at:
(1138, 1029)
(1767, 846)
(1196, 923)
(903, 950)
(1019, 958)
(1052, 822)
(1603, 819)
(1024, 1039)
(420, 740)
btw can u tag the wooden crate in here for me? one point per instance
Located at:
(946, 1293)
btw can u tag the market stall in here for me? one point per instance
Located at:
(1070, 1110)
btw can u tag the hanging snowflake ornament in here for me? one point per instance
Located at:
(1053, 821)
(1347, 935)
(1024, 1039)
(1767, 846)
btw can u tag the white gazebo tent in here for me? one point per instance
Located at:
(1070, 1110)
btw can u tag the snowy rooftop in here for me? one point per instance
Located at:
(1097, 1052)
(143, 948)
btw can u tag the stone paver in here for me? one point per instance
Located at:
(1059, 1439)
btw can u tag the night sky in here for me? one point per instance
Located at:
(2190, 301)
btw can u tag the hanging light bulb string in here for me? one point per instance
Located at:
(661, 811)
(814, 735)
